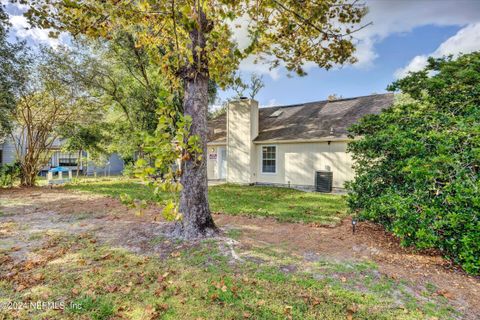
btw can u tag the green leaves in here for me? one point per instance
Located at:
(417, 166)
(170, 212)
(293, 32)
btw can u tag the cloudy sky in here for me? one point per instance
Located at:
(404, 33)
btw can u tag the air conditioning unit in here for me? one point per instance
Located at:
(323, 181)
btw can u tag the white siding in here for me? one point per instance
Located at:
(116, 166)
(297, 163)
(8, 152)
(242, 129)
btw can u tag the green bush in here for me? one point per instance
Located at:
(9, 173)
(417, 166)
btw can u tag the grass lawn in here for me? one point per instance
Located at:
(281, 203)
(98, 265)
(96, 281)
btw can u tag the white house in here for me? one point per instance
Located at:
(303, 145)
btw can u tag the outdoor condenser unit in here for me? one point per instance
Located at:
(323, 181)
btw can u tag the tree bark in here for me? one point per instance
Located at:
(197, 220)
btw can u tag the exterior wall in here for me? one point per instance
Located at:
(8, 152)
(9, 156)
(55, 160)
(115, 167)
(297, 163)
(242, 128)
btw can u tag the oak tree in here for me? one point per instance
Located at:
(192, 42)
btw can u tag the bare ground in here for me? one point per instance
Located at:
(24, 213)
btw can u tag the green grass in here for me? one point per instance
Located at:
(281, 203)
(100, 282)
(284, 204)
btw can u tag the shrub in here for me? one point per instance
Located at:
(9, 173)
(417, 166)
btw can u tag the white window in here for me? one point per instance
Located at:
(269, 159)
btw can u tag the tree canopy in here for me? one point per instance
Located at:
(188, 36)
(418, 164)
(12, 60)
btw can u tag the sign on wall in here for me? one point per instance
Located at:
(212, 156)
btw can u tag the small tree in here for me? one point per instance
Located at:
(418, 163)
(122, 77)
(192, 43)
(79, 138)
(44, 104)
(253, 87)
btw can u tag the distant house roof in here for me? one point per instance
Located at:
(308, 121)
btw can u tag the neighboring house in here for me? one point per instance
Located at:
(287, 145)
(7, 151)
(113, 165)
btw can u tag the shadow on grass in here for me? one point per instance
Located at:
(284, 204)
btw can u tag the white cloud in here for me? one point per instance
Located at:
(250, 65)
(22, 29)
(389, 17)
(239, 28)
(416, 64)
(270, 103)
(466, 40)
(396, 17)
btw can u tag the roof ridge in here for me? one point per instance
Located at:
(327, 101)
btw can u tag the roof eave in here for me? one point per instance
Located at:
(324, 139)
(216, 143)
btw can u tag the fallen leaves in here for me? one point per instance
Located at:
(20, 287)
(351, 311)
(444, 293)
(111, 288)
(287, 311)
(162, 277)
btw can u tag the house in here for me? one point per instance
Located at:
(296, 145)
(113, 165)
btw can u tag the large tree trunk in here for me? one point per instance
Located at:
(28, 175)
(197, 221)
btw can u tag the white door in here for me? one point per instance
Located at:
(222, 163)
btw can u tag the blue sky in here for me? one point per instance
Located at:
(404, 33)
(393, 53)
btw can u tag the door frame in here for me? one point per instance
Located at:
(221, 159)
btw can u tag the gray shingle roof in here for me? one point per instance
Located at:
(313, 120)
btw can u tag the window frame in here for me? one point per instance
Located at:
(67, 156)
(276, 159)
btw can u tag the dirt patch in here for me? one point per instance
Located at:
(41, 210)
(370, 242)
